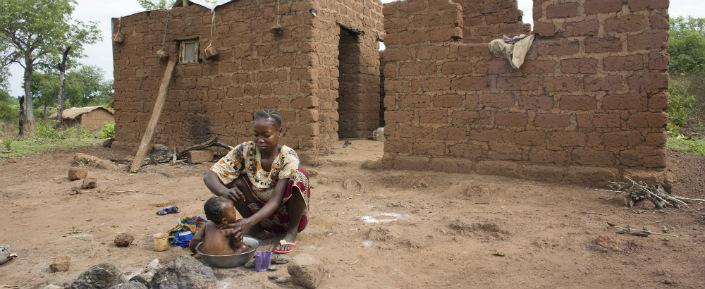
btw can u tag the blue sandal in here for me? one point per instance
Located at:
(168, 210)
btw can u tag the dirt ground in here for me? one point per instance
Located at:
(387, 229)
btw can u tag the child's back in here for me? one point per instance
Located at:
(213, 240)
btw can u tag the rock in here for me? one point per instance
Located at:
(101, 276)
(60, 264)
(160, 148)
(378, 134)
(129, 285)
(306, 271)
(123, 240)
(77, 173)
(353, 186)
(143, 278)
(146, 276)
(312, 172)
(372, 165)
(52, 286)
(184, 273)
(81, 159)
(108, 142)
(153, 265)
(89, 183)
(6, 255)
(200, 156)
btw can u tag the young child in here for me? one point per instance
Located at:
(219, 211)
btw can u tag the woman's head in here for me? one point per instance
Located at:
(267, 126)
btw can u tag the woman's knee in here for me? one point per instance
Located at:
(296, 204)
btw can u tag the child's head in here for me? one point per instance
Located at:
(220, 210)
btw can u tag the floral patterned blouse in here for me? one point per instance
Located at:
(245, 159)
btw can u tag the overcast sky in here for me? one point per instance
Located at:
(101, 55)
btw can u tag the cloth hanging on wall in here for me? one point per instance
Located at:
(513, 49)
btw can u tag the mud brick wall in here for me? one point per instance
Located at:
(294, 72)
(94, 120)
(588, 104)
(138, 74)
(485, 19)
(362, 80)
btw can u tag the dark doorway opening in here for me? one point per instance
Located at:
(349, 90)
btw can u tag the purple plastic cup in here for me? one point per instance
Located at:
(263, 259)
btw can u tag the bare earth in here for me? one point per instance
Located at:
(453, 231)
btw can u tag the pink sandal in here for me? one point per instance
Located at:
(292, 246)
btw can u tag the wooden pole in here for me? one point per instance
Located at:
(156, 113)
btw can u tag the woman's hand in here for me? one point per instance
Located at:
(236, 230)
(233, 194)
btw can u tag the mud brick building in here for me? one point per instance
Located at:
(92, 118)
(587, 105)
(319, 67)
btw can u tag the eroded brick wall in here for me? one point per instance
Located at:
(365, 17)
(485, 19)
(588, 103)
(295, 72)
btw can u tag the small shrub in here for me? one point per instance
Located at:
(8, 111)
(46, 130)
(108, 130)
(7, 143)
(681, 105)
(685, 144)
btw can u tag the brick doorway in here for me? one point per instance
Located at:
(350, 98)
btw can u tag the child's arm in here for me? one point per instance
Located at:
(236, 244)
(197, 238)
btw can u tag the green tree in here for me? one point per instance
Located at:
(44, 88)
(72, 48)
(32, 34)
(156, 4)
(86, 86)
(687, 45)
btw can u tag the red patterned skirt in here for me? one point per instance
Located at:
(278, 222)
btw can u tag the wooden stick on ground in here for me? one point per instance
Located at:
(156, 113)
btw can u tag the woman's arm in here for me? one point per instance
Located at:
(238, 229)
(219, 189)
(213, 183)
(270, 207)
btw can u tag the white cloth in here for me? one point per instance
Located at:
(515, 52)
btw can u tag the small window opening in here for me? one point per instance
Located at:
(188, 51)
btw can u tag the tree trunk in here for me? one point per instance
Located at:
(21, 116)
(45, 113)
(29, 114)
(62, 87)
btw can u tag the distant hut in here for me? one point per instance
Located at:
(90, 117)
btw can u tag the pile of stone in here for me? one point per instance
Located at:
(185, 272)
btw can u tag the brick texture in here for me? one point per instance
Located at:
(295, 72)
(588, 101)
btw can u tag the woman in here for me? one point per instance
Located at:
(264, 179)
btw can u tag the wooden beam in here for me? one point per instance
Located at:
(156, 113)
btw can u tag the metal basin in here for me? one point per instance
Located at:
(232, 260)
